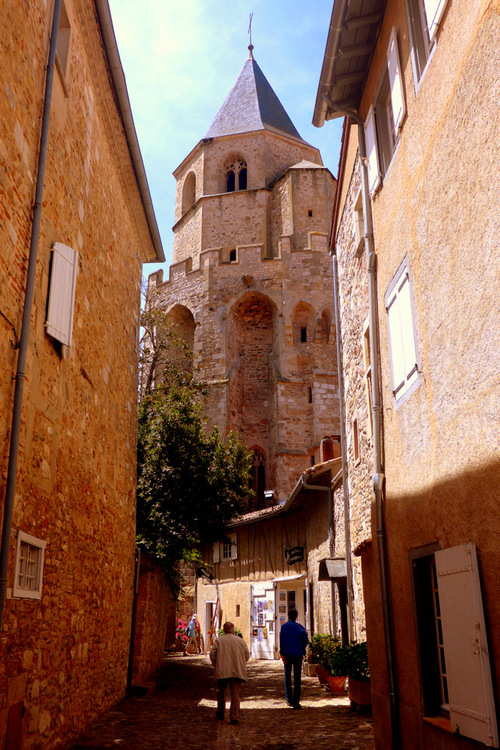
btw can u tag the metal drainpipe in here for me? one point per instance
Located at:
(25, 329)
(345, 473)
(378, 476)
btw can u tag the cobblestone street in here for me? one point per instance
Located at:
(181, 714)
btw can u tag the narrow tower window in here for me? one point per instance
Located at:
(236, 174)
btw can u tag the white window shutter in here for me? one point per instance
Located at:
(396, 344)
(434, 10)
(59, 323)
(396, 82)
(471, 700)
(371, 152)
(234, 547)
(407, 328)
(216, 552)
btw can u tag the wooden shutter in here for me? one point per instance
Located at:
(434, 10)
(396, 82)
(371, 152)
(216, 552)
(61, 305)
(396, 344)
(470, 690)
(401, 334)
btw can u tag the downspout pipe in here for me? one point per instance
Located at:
(28, 304)
(378, 475)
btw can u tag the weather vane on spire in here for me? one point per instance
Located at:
(250, 46)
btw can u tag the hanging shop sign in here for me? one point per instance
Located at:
(294, 555)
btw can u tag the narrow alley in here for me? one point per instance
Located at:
(181, 714)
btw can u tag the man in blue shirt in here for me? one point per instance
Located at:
(293, 642)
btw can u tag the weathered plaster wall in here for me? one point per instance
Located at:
(433, 209)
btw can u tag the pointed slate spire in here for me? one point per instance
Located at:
(251, 105)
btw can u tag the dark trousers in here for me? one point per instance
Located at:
(235, 687)
(293, 695)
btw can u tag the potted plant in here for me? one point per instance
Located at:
(320, 648)
(358, 673)
(338, 666)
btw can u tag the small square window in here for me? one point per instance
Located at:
(310, 213)
(303, 335)
(28, 571)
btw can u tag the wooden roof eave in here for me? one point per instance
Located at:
(351, 42)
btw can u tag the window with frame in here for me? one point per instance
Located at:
(424, 18)
(226, 550)
(257, 480)
(402, 336)
(451, 635)
(355, 439)
(385, 118)
(359, 223)
(28, 572)
(236, 174)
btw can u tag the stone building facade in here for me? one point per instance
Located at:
(250, 289)
(64, 642)
(416, 248)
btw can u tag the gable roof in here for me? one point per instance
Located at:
(251, 105)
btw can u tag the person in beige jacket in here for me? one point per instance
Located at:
(229, 655)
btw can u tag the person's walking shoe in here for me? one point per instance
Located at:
(297, 706)
(233, 721)
(289, 703)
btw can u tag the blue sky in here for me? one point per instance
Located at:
(181, 59)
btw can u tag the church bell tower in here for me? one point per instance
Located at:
(250, 288)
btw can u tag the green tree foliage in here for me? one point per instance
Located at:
(190, 481)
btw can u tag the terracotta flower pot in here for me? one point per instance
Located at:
(336, 684)
(321, 674)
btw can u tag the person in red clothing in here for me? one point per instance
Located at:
(293, 642)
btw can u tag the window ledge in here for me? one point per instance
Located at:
(440, 722)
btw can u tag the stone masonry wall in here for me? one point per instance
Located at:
(155, 617)
(64, 657)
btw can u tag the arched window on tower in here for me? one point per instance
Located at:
(235, 172)
(188, 192)
(303, 323)
(258, 479)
